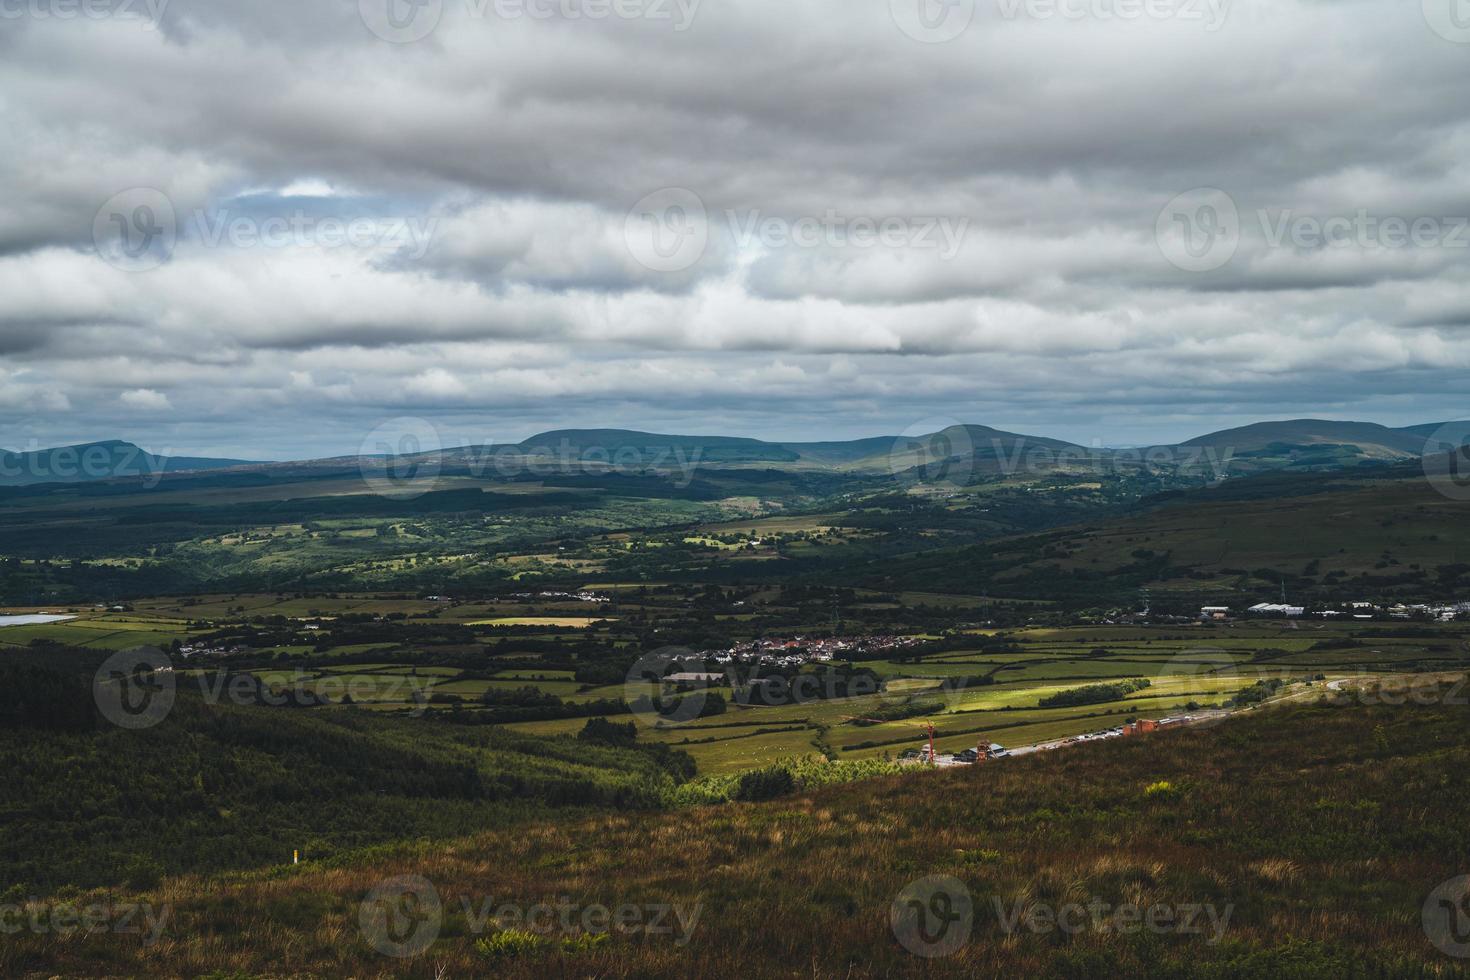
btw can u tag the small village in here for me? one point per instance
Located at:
(1440, 612)
(795, 651)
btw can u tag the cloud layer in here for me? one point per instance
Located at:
(262, 229)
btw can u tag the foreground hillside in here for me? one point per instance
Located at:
(223, 784)
(1298, 842)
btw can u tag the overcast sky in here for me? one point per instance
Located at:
(266, 228)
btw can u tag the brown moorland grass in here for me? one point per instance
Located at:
(1321, 829)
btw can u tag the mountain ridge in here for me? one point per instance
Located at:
(104, 459)
(1290, 443)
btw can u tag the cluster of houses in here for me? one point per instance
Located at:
(1444, 612)
(188, 650)
(787, 652)
(561, 596)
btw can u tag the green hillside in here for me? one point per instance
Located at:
(1304, 842)
(1324, 535)
(220, 785)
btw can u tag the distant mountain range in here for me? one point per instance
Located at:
(89, 461)
(1297, 443)
(874, 452)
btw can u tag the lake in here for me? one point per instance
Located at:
(32, 619)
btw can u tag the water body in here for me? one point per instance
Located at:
(33, 619)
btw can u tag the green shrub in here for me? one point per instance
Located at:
(510, 944)
(585, 942)
(1162, 790)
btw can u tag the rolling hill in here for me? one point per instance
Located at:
(1263, 439)
(110, 459)
(1384, 530)
(874, 453)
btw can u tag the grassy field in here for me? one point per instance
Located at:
(965, 693)
(1316, 836)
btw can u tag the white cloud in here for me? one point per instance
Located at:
(145, 399)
